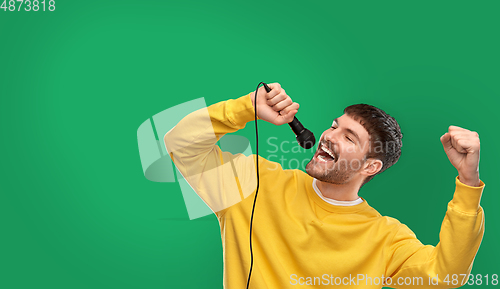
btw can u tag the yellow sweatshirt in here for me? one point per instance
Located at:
(300, 240)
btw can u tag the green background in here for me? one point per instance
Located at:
(76, 83)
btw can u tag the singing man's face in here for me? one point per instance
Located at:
(348, 141)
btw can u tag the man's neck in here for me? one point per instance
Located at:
(344, 192)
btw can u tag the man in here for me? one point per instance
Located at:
(312, 229)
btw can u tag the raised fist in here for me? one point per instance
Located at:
(462, 148)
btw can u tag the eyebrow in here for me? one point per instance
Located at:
(336, 120)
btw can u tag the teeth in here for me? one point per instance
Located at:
(322, 158)
(324, 148)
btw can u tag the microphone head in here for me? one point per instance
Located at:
(306, 139)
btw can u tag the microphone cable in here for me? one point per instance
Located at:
(257, 190)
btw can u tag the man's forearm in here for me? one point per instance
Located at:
(198, 132)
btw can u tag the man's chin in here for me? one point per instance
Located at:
(319, 172)
(315, 170)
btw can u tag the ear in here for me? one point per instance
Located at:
(371, 167)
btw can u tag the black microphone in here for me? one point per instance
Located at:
(304, 137)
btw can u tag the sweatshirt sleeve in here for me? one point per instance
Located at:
(459, 239)
(219, 178)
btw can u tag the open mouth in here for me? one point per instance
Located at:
(324, 154)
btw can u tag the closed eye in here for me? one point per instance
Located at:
(332, 127)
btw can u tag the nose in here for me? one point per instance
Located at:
(331, 135)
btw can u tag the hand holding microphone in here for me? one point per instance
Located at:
(276, 107)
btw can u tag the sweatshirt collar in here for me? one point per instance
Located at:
(333, 201)
(342, 207)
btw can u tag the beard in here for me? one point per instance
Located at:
(334, 172)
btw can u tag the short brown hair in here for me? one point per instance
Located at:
(384, 131)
